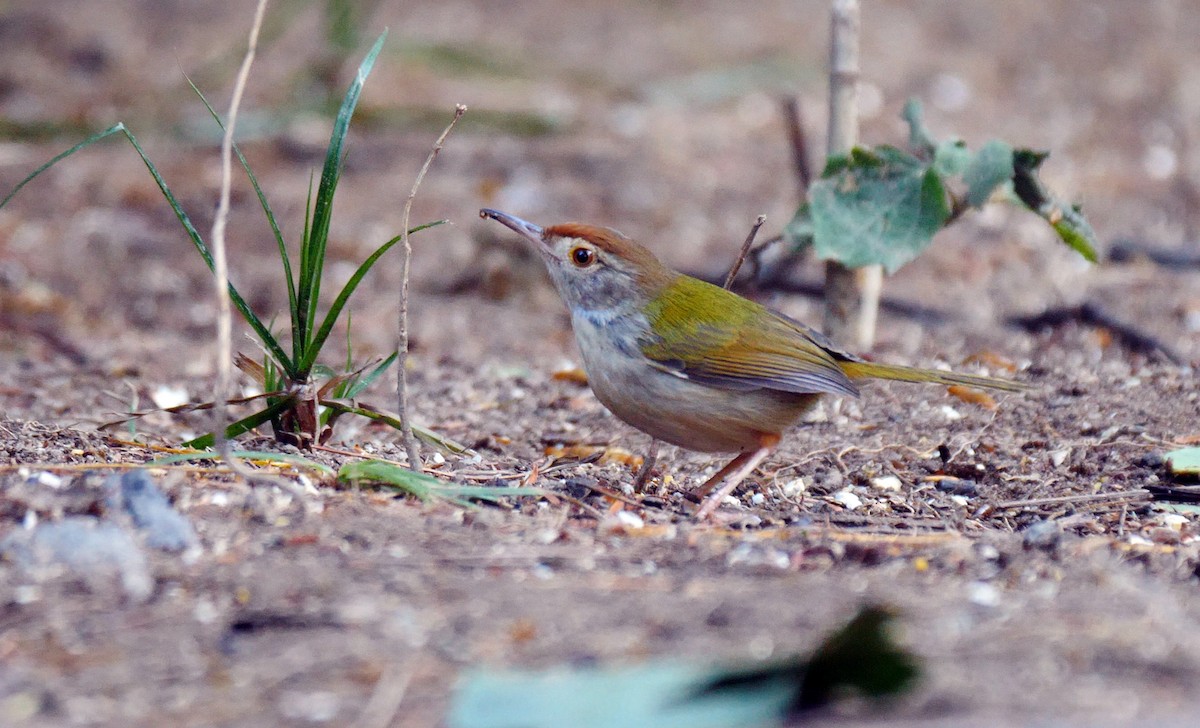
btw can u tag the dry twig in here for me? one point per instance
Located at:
(221, 266)
(851, 295)
(795, 129)
(737, 264)
(410, 441)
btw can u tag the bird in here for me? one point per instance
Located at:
(694, 364)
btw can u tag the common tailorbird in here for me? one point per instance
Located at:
(691, 363)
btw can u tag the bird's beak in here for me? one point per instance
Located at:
(527, 229)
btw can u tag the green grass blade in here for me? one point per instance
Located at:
(282, 457)
(426, 487)
(115, 129)
(312, 255)
(261, 331)
(361, 383)
(262, 200)
(331, 317)
(299, 322)
(422, 433)
(243, 425)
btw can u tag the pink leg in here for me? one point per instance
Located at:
(737, 470)
(703, 489)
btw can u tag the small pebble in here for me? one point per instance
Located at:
(48, 479)
(621, 522)
(794, 487)
(1174, 520)
(987, 552)
(958, 486)
(848, 499)
(166, 396)
(1043, 535)
(758, 499)
(951, 414)
(886, 482)
(983, 594)
(319, 706)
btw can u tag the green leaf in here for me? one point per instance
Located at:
(358, 384)
(877, 206)
(861, 656)
(248, 314)
(858, 658)
(262, 201)
(920, 139)
(243, 425)
(312, 254)
(951, 158)
(373, 413)
(1067, 220)
(318, 339)
(799, 231)
(426, 487)
(991, 167)
(1185, 461)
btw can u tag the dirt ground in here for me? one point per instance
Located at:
(347, 607)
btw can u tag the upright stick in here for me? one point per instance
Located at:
(410, 442)
(851, 295)
(220, 260)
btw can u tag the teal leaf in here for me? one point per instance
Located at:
(799, 231)
(991, 167)
(880, 206)
(952, 158)
(1067, 220)
(858, 659)
(1185, 461)
(920, 139)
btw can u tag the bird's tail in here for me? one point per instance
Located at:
(893, 372)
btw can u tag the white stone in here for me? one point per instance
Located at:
(847, 498)
(886, 482)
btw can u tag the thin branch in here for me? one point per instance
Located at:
(1090, 313)
(221, 262)
(1132, 495)
(737, 264)
(410, 442)
(799, 142)
(851, 295)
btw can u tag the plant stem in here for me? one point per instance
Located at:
(851, 295)
(220, 261)
(799, 141)
(737, 264)
(410, 442)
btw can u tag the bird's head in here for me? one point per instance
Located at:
(594, 268)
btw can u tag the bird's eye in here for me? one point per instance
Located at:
(582, 257)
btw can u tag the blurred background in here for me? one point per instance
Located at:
(662, 119)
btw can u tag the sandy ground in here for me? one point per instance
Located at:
(663, 120)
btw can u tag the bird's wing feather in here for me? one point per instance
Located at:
(722, 340)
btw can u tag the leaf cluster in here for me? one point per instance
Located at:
(883, 205)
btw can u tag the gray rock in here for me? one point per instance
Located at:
(94, 551)
(164, 527)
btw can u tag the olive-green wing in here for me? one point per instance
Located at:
(709, 335)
